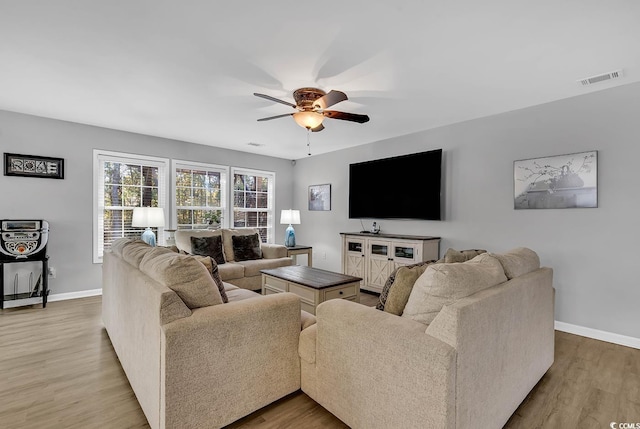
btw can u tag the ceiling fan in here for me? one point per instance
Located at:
(310, 108)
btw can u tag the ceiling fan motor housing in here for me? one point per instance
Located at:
(306, 96)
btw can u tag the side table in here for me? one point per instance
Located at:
(294, 251)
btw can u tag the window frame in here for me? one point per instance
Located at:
(100, 156)
(271, 198)
(224, 187)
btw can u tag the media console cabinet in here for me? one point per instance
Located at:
(374, 256)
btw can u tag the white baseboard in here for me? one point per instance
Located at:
(609, 337)
(74, 295)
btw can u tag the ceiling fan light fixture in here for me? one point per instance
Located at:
(308, 120)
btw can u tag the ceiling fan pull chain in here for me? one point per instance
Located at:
(309, 141)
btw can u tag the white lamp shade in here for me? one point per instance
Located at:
(290, 217)
(148, 217)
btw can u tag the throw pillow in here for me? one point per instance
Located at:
(453, 256)
(387, 285)
(227, 239)
(211, 266)
(188, 278)
(444, 284)
(518, 262)
(246, 247)
(208, 246)
(402, 286)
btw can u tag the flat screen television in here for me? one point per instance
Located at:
(401, 187)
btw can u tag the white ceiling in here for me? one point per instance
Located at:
(187, 69)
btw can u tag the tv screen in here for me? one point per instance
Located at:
(402, 187)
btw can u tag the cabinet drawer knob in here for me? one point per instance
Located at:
(341, 292)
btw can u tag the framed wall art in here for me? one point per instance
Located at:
(33, 166)
(557, 182)
(320, 197)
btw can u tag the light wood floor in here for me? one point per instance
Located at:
(58, 370)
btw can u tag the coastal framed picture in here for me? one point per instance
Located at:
(33, 166)
(556, 182)
(320, 197)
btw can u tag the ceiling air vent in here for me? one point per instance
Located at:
(600, 78)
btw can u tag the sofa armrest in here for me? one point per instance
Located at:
(307, 346)
(376, 358)
(273, 251)
(225, 351)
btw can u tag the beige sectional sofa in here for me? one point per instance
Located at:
(193, 361)
(468, 364)
(244, 274)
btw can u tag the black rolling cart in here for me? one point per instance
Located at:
(24, 241)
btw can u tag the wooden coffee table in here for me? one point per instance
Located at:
(312, 285)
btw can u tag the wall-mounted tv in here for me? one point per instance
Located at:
(401, 187)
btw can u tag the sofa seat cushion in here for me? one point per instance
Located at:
(229, 286)
(252, 268)
(241, 294)
(444, 284)
(227, 240)
(518, 262)
(184, 275)
(230, 271)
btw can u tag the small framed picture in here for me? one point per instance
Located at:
(33, 166)
(557, 182)
(320, 197)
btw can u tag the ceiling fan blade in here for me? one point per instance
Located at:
(318, 128)
(327, 100)
(275, 117)
(353, 117)
(270, 98)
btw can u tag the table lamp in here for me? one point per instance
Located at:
(148, 217)
(291, 217)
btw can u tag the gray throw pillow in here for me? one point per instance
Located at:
(208, 246)
(246, 247)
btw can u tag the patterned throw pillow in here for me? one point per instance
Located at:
(208, 246)
(212, 267)
(246, 247)
(392, 277)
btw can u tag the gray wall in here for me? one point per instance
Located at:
(67, 204)
(592, 251)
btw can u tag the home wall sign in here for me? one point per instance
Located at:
(557, 182)
(33, 166)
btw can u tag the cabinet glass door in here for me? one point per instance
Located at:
(379, 249)
(405, 253)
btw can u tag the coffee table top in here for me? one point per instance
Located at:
(311, 277)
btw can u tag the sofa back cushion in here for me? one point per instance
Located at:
(227, 240)
(444, 284)
(453, 255)
(208, 246)
(134, 251)
(184, 275)
(518, 262)
(211, 266)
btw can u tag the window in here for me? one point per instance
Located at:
(200, 195)
(253, 201)
(121, 182)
